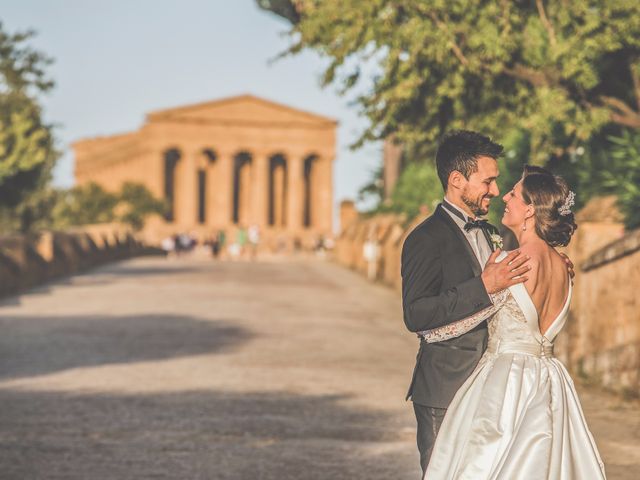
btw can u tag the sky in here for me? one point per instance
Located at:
(117, 60)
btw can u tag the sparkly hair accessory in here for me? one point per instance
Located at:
(569, 202)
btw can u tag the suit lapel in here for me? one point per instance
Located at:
(448, 221)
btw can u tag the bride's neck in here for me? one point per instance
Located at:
(528, 236)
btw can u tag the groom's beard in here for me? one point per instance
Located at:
(476, 205)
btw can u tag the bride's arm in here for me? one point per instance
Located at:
(466, 324)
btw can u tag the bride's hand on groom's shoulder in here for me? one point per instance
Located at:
(497, 276)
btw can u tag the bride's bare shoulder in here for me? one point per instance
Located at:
(536, 262)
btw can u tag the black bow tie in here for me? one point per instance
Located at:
(481, 224)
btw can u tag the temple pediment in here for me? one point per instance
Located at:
(240, 109)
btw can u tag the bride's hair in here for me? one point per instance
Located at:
(548, 193)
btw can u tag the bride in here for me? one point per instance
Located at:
(518, 415)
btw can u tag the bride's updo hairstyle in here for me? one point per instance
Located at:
(548, 193)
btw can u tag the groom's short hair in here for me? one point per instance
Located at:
(459, 150)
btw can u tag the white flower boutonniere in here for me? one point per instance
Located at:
(496, 240)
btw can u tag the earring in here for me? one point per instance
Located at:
(524, 226)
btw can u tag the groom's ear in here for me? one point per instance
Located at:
(456, 179)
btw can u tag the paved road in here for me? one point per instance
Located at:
(189, 369)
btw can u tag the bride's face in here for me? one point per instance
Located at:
(516, 209)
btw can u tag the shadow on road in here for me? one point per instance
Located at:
(198, 435)
(105, 275)
(32, 346)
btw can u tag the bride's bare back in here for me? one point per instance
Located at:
(548, 282)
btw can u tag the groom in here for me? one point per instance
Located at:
(448, 272)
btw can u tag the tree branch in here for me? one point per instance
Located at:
(534, 77)
(287, 9)
(545, 21)
(457, 51)
(621, 112)
(634, 67)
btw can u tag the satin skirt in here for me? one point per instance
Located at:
(517, 417)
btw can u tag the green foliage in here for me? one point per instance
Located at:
(33, 213)
(417, 187)
(607, 164)
(90, 203)
(374, 190)
(84, 205)
(622, 176)
(27, 152)
(552, 81)
(559, 70)
(139, 203)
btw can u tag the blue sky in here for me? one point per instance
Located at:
(117, 60)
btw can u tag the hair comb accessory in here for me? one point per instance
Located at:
(569, 202)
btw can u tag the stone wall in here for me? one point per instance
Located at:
(388, 231)
(601, 341)
(26, 261)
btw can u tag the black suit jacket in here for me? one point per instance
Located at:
(441, 284)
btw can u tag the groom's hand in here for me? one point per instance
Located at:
(500, 275)
(569, 265)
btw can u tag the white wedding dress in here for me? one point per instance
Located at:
(518, 415)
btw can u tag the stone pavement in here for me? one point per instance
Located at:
(190, 369)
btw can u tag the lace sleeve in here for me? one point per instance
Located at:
(460, 327)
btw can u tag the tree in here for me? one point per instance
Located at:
(90, 203)
(138, 203)
(556, 82)
(418, 187)
(622, 177)
(27, 151)
(374, 189)
(559, 70)
(84, 205)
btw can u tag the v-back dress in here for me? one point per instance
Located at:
(518, 415)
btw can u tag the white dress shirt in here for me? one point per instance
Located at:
(476, 238)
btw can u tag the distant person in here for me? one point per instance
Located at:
(168, 245)
(371, 252)
(184, 243)
(214, 245)
(253, 235)
(241, 241)
(222, 240)
(319, 246)
(177, 245)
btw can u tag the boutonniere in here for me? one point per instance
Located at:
(496, 240)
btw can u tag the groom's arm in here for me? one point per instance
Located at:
(424, 306)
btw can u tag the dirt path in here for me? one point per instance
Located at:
(191, 369)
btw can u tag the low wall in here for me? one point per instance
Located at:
(601, 341)
(604, 343)
(388, 232)
(26, 261)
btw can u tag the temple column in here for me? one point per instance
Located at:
(245, 193)
(222, 189)
(211, 187)
(322, 207)
(279, 191)
(186, 196)
(259, 188)
(295, 191)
